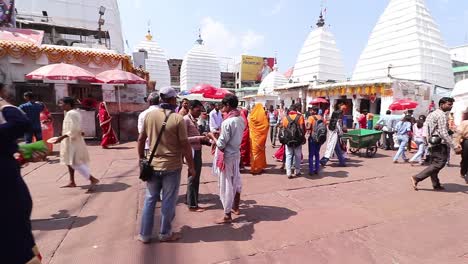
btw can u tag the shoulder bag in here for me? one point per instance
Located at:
(146, 169)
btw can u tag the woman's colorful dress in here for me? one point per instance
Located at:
(108, 134)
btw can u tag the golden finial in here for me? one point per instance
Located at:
(149, 37)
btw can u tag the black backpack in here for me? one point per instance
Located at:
(319, 133)
(293, 135)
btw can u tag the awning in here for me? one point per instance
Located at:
(22, 35)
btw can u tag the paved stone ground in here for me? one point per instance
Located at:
(364, 213)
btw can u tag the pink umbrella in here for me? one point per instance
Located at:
(203, 88)
(403, 104)
(319, 100)
(219, 93)
(120, 77)
(62, 71)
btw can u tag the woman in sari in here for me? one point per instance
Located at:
(259, 127)
(108, 135)
(47, 127)
(245, 145)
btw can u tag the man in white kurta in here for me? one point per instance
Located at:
(227, 158)
(73, 151)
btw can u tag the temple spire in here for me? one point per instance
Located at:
(321, 21)
(149, 37)
(199, 40)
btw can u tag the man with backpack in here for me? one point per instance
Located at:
(293, 135)
(317, 136)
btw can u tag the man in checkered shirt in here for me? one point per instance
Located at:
(437, 125)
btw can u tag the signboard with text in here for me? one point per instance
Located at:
(255, 68)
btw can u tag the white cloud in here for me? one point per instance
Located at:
(251, 40)
(137, 4)
(227, 43)
(274, 10)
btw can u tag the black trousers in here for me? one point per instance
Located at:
(193, 184)
(464, 161)
(388, 140)
(273, 135)
(438, 160)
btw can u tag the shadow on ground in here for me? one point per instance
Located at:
(61, 221)
(107, 187)
(242, 227)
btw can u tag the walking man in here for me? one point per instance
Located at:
(294, 131)
(167, 165)
(73, 151)
(33, 111)
(314, 147)
(195, 140)
(273, 119)
(227, 158)
(440, 144)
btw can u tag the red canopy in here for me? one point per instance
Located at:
(203, 88)
(219, 93)
(403, 104)
(120, 77)
(319, 100)
(62, 71)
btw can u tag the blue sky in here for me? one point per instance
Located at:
(261, 27)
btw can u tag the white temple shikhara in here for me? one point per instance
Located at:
(407, 44)
(200, 66)
(319, 58)
(156, 62)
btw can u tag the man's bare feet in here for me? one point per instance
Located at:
(70, 185)
(235, 211)
(93, 180)
(415, 183)
(225, 220)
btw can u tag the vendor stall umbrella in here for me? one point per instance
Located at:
(319, 100)
(203, 88)
(403, 104)
(62, 71)
(120, 77)
(219, 93)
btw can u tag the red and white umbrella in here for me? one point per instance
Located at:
(120, 77)
(403, 104)
(203, 88)
(319, 100)
(219, 93)
(62, 71)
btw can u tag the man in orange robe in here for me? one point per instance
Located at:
(259, 127)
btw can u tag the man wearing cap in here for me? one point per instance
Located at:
(153, 101)
(167, 165)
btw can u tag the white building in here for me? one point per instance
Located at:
(407, 44)
(200, 65)
(75, 13)
(266, 94)
(155, 62)
(319, 58)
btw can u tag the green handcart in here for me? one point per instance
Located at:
(363, 138)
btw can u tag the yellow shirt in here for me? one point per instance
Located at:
(168, 156)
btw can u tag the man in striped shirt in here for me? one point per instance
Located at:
(437, 126)
(33, 111)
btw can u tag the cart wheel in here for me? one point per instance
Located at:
(370, 152)
(354, 150)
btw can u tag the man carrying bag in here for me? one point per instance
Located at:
(168, 139)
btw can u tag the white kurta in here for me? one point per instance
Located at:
(73, 149)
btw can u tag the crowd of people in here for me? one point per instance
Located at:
(171, 135)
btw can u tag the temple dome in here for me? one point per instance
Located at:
(273, 80)
(200, 65)
(319, 58)
(156, 63)
(408, 41)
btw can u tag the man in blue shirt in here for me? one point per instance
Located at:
(33, 111)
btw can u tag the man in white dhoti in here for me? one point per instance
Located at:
(227, 158)
(73, 152)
